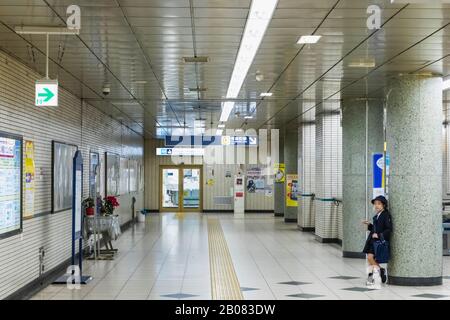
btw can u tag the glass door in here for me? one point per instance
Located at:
(181, 188)
(170, 196)
(191, 189)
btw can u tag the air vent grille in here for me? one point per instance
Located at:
(198, 89)
(198, 59)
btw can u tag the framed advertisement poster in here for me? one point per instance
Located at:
(29, 172)
(11, 169)
(112, 174)
(62, 175)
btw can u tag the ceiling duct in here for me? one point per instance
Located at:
(197, 59)
(198, 89)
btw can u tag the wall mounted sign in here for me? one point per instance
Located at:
(280, 172)
(379, 174)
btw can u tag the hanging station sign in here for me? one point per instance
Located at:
(46, 93)
(199, 152)
(198, 141)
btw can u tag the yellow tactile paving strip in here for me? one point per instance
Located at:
(224, 282)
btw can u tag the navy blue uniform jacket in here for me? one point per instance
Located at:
(382, 225)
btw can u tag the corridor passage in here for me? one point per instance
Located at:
(168, 257)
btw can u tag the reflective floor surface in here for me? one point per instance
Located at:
(217, 256)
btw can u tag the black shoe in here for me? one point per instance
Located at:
(383, 275)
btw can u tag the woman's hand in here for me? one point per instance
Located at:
(375, 236)
(366, 222)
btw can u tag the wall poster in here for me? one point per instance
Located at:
(291, 190)
(280, 172)
(29, 171)
(124, 176)
(10, 184)
(94, 174)
(112, 167)
(62, 176)
(256, 181)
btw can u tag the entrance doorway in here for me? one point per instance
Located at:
(181, 188)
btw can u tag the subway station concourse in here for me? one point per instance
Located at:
(224, 150)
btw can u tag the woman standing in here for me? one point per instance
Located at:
(380, 228)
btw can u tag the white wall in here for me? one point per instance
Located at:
(221, 187)
(71, 122)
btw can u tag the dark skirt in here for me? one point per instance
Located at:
(368, 248)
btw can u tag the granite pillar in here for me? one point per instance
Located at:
(414, 128)
(355, 161)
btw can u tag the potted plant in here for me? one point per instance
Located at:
(88, 205)
(109, 204)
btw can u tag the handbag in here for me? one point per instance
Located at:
(381, 249)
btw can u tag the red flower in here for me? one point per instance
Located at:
(113, 201)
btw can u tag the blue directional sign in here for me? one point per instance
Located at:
(172, 141)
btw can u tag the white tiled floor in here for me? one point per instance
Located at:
(169, 255)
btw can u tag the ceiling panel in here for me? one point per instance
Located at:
(136, 47)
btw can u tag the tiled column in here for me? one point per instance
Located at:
(291, 161)
(278, 190)
(306, 173)
(414, 128)
(354, 157)
(328, 218)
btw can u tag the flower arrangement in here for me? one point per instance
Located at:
(88, 205)
(109, 204)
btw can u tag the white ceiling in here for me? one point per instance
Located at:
(123, 41)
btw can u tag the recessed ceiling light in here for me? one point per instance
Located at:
(266, 94)
(221, 126)
(308, 39)
(363, 63)
(257, 22)
(248, 117)
(140, 81)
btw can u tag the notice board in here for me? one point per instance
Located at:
(112, 174)
(62, 175)
(10, 184)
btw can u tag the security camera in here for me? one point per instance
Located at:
(259, 76)
(106, 89)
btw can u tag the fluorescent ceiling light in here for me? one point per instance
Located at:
(226, 110)
(221, 126)
(219, 132)
(248, 117)
(140, 81)
(259, 17)
(363, 63)
(308, 39)
(266, 94)
(446, 85)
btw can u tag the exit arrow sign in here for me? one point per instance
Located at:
(46, 93)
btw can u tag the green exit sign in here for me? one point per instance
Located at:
(46, 93)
